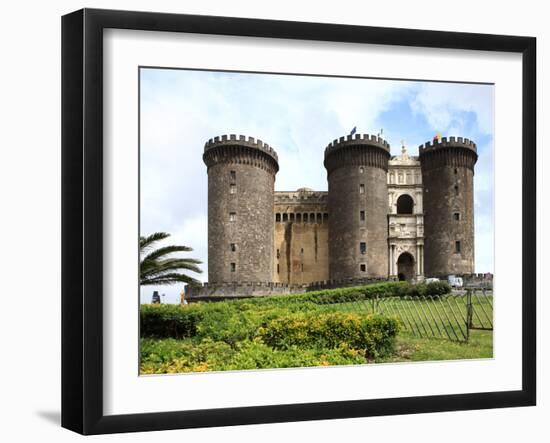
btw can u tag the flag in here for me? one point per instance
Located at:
(353, 131)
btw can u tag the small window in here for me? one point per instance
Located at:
(292, 217)
(456, 171)
(302, 251)
(232, 216)
(319, 218)
(285, 217)
(456, 216)
(361, 169)
(325, 217)
(363, 267)
(312, 217)
(233, 267)
(278, 253)
(363, 247)
(232, 189)
(456, 189)
(305, 218)
(233, 175)
(457, 247)
(277, 218)
(361, 189)
(298, 218)
(233, 247)
(278, 270)
(361, 215)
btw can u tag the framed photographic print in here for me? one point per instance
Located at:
(268, 221)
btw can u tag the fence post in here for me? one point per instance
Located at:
(469, 313)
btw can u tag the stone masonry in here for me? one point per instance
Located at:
(383, 217)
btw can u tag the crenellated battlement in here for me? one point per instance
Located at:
(240, 140)
(452, 151)
(448, 142)
(357, 139)
(357, 150)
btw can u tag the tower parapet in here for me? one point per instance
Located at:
(358, 149)
(240, 149)
(357, 203)
(241, 180)
(448, 177)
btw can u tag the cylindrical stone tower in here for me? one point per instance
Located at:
(357, 168)
(448, 178)
(241, 179)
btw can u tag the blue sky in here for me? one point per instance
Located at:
(298, 116)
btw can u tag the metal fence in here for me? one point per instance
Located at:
(450, 316)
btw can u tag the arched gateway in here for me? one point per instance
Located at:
(405, 267)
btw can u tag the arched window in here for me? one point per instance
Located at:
(405, 204)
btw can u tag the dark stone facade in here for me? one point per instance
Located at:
(448, 194)
(241, 178)
(262, 242)
(358, 207)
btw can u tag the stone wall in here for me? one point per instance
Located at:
(301, 237)
(448, 196)
(241, 177)
(358, 207)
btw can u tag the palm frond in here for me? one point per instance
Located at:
(169, 279)
(157, 253)
(156, 268)
(147, 241)
(159, 267)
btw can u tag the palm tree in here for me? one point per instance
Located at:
(156, 268)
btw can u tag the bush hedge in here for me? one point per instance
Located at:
(374, 334)
(236, 320)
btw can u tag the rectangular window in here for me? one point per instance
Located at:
(325, 217)
(292, 217)
(278, 270)
(233, 267)
(305, 218)
(362, 215)
(277, 218)
(298, 218)
(233, 175)
(363, 267)
(278, 253)
(361, 189)
(363, 247)
(457, 247)
(232, 189)
(232, 216)
(233, 247)
(285, 217)
(456, 189)
(456, 216)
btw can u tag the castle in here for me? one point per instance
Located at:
(383, 217)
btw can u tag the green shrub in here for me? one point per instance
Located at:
(438, 288)
(177, 321)
(374, 334)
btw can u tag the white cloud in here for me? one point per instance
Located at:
(443, 103)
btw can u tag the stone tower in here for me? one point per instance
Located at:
(358, 207)
(241, 179)
(448, 178)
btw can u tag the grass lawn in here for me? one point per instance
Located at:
(411, 348)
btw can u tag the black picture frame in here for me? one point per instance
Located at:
(82, 218)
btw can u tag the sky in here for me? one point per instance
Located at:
(298, 116)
